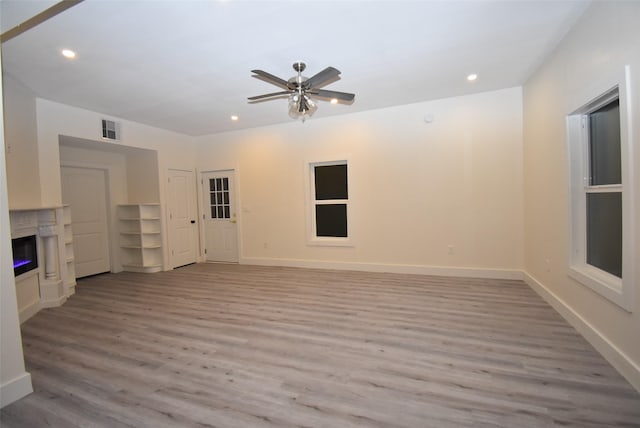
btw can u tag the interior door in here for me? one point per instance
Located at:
(220, 220)
(85, 191)
(182, 218)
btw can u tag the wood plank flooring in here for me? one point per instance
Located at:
(244, 346)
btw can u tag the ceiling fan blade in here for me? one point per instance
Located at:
(273, 94)
(271, 78)
(323, 77)
(342, 96)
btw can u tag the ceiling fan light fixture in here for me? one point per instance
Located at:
(293, 106)
(301, 106)
(300, 88)
(310, 105)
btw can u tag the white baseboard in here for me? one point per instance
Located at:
(29, 311)
(391, 268)
(71, 290)
(53, 303)
(15, 389)
(618, 359)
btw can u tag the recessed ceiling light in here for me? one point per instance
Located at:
(234, 117)
(68, 53)
(334, 101)
(472, 77)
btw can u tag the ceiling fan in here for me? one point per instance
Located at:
(300, 89)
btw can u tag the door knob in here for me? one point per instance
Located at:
(233, 221)
(193, 222)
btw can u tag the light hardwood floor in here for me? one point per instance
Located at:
(242, 346)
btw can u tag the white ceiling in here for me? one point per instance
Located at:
(186, 65)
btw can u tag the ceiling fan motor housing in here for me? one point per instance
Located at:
(297, 81)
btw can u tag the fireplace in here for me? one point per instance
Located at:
(25, 254)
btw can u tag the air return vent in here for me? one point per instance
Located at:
(110, 130)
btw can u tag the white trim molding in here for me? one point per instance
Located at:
(15, 389)
(30, 310)
(311, 202)
(614, 355)
(465, 272)
(619, 290)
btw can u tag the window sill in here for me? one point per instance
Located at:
(330, 242)
(603, 283)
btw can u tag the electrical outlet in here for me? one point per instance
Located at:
(450, 249)
(547, 264)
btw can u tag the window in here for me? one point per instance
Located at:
(219, 198)
(604, 189)
(329, 189)
(602, 244)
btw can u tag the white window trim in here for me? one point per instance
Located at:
(327, 241)
(619, 291)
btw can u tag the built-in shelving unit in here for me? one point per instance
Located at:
(70, 279)
(140, 237)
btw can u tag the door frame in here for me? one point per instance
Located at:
(197, 244)
(203, 205)
(115, 264)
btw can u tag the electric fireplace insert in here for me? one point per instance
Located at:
(25, 254)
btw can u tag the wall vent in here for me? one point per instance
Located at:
(110, 130)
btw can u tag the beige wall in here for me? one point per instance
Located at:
(416, 187)
(54, 119)
(15, 382)
(143, 181)
(170, 150)
(605, 40)
(115, 163)
(23, 175)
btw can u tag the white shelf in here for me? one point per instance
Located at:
(140, 237)
(69, 257)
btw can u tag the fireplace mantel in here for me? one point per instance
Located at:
(55, 280)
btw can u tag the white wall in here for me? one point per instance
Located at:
(15, 382)
(603, 41)
(174, 150)
(54, 119)
(23, 178)
(416, 188)
(115, 162)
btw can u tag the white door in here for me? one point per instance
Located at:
(220, 220)
(182, 218)
(85, 191)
